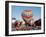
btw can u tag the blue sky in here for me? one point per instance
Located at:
(17, 10)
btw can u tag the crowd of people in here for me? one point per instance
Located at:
(21, 25)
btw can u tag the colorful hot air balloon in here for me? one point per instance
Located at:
(27, 16)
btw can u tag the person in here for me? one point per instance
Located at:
(18, 25)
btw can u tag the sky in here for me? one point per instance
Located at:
(17, 10)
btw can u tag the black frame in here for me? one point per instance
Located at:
(7, 16)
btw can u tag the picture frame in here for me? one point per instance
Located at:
(11, 9)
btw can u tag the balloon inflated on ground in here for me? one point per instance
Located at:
(27, 17)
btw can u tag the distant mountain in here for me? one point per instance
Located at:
(38, 22)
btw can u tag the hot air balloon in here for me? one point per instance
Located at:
(27, 16)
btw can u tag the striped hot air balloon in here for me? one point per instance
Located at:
(27, 16)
